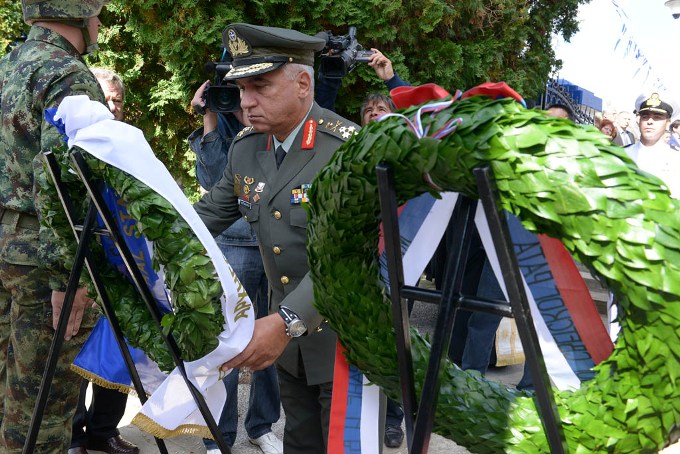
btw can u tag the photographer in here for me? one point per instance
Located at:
(374, 105)
(211, 142)
(239, 245)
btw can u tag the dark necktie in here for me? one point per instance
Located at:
(280, 154)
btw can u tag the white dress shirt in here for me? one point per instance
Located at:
(661, 161)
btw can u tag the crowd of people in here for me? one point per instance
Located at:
(250, 160)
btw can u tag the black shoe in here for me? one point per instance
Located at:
(114, 445)
(394, 436)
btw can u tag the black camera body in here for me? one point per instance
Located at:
(341, 54)
(222, 97)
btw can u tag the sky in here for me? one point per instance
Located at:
(623, 48)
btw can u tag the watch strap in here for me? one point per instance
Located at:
(290, 318)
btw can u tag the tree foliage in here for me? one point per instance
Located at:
(160, 48)
(11, 24)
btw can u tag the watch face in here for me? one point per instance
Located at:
(297, 328)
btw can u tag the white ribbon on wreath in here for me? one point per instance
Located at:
(171, 406)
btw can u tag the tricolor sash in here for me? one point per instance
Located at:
(571, 333)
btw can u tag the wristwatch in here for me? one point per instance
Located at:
(295, 327)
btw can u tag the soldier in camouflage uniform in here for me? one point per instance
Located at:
(36, 75)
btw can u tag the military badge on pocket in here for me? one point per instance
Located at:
(299, 195)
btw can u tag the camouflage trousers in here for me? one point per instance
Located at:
(25, 336)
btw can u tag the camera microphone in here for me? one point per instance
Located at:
(209, 67)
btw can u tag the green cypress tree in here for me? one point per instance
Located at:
(160, 48)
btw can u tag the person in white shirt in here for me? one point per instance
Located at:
(652, 154)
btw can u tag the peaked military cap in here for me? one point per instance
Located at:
(257, 50)
(653, 103)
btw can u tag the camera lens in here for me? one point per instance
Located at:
(223, 98)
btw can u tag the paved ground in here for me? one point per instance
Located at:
(423, 316)
(192, 445)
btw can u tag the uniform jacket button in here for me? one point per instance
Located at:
(277, 215)
(284, 280)
(277, 250)
(245, 217)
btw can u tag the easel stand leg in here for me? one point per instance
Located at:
(520, 308)
(419, 423)
(86, 231)
(388, 205)
(463, 222)
(58, 339)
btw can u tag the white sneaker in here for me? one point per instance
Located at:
(213, 451)
(268, 443)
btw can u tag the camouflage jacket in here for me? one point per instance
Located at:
(36, 75)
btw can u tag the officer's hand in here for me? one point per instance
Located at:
(381, 65)
(80, 304)
(268, 342)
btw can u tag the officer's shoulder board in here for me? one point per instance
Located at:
(337, 126)
(244, 132)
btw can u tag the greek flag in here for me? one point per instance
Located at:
(171, 409)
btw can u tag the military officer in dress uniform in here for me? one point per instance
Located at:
(651, 153)
(270, 169)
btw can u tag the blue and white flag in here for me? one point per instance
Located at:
(171, 409)
(100, 360)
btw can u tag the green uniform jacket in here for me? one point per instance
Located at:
(271, 201)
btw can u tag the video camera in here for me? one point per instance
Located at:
(221, 96)
(341, 54)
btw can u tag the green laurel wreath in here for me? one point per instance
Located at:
(190, 277)
(566, 181)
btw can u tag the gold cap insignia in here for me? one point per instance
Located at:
(655, 104)
(654, 100)
(237, 46)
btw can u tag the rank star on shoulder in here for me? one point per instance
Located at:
(348, 131)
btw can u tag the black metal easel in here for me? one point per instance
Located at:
(84, 234)
(419, 418)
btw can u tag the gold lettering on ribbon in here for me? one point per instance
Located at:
(141, 265)
(242, 307)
